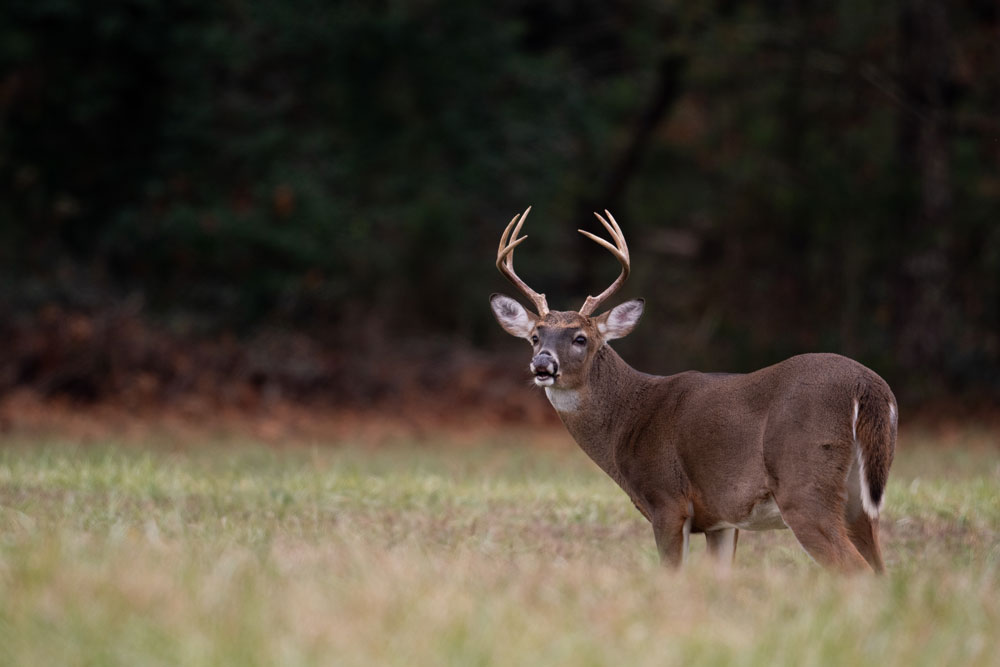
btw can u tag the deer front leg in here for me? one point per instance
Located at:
(722, 546)
(672, 530)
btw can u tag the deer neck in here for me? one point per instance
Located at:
(597, 413)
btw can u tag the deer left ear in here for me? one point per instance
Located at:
(620, 320)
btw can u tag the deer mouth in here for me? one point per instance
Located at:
(543, 378)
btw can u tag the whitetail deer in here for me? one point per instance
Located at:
(805, 444)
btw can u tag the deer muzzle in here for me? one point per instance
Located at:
(545, 367)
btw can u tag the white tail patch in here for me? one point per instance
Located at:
(871, 509)
(892, 414)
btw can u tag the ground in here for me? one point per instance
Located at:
(498, 547)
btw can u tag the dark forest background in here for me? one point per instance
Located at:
(305, 197)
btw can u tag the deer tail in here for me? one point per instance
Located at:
(874, 425)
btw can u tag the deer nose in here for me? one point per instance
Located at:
(544, 364)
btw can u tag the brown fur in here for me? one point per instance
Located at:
(863, 532)
(708, 448)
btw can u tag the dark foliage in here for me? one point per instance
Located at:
(791, 176)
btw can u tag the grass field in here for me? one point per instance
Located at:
(496, 551)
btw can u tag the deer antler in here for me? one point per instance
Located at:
(505, 261)
(619, 250)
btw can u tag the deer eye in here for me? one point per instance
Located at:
(534, 340)
(580, 340)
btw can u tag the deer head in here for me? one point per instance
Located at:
(564, 342)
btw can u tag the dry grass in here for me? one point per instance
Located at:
(494, 552)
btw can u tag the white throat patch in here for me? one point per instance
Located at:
(563, 400)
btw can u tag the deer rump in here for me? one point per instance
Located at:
(815, 420)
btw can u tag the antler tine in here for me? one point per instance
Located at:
(506, 232)
(505, 261)
(619, 250)
(618, 230)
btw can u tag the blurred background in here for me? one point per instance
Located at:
(256, 203)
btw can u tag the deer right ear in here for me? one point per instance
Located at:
(512, 316)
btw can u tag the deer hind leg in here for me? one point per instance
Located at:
(809, 488)
(722, 545)
(816, 517)
(863, 532)
(861, 529)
